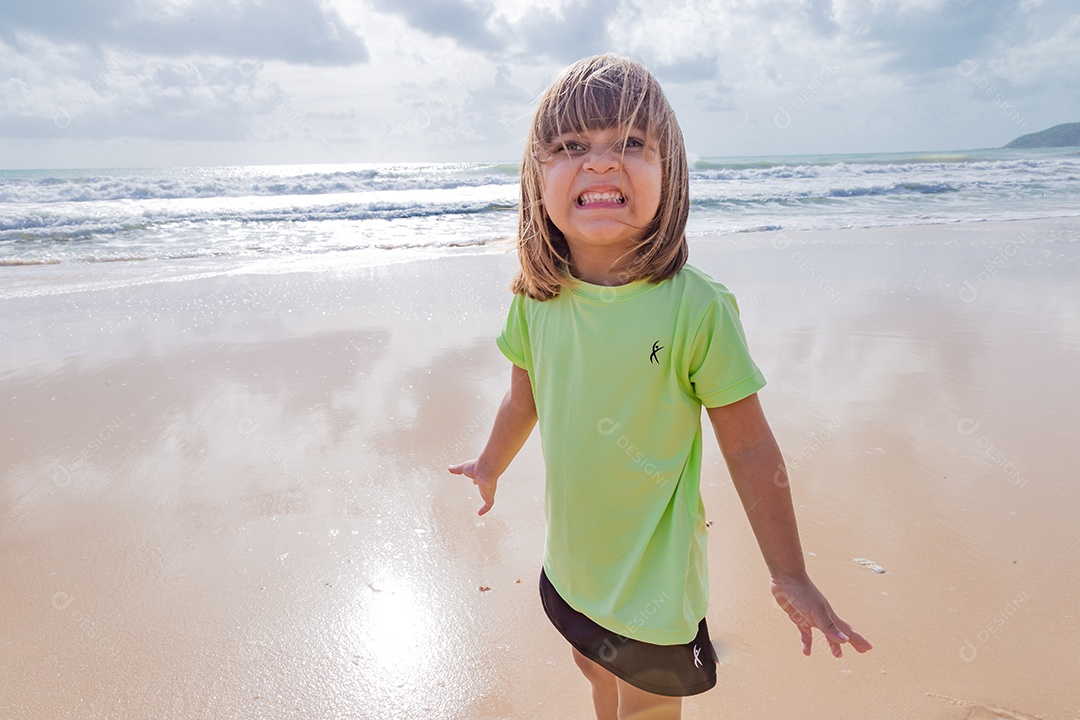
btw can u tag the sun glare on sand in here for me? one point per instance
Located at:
(388, 624)
(406, 640)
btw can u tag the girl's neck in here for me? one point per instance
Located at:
(598, 268)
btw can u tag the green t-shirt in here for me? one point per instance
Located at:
(620, 375)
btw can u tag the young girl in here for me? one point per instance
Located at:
(616, 345)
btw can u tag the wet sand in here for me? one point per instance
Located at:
(227, 497)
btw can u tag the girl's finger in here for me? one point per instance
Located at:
(834, 633)
(856, 640)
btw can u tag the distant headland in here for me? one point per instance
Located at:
(1064, 135)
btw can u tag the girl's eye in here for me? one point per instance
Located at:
(572, 146)
(633, 142)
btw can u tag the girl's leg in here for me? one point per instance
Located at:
(637, 704)
(605, 692)
(616, 699)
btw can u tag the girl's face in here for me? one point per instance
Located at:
(600, 191)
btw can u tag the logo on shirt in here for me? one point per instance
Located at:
(656, 347)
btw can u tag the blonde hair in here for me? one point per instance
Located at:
(599, 93)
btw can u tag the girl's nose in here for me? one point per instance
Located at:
(602, 158)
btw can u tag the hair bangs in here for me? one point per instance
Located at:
(598, 94)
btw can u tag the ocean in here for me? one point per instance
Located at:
(172, 221)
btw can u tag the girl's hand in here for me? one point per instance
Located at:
(483, 482)
(809, 609)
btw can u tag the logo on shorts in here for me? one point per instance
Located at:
(656, 347)
(697, 659)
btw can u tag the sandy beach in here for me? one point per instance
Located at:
(226, 496)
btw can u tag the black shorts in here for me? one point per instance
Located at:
(673, 670)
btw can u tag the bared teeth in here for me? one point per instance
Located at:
(594, 197)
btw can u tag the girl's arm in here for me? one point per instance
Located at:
(757, 470)
(513, 423)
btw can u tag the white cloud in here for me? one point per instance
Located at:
(299, 31)
(127, 95)
(1051, 62)
(472, 23)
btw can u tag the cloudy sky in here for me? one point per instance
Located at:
(107, 83)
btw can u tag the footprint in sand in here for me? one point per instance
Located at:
(966, 710)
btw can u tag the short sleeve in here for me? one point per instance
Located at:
(721, 369)
(513, 339)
